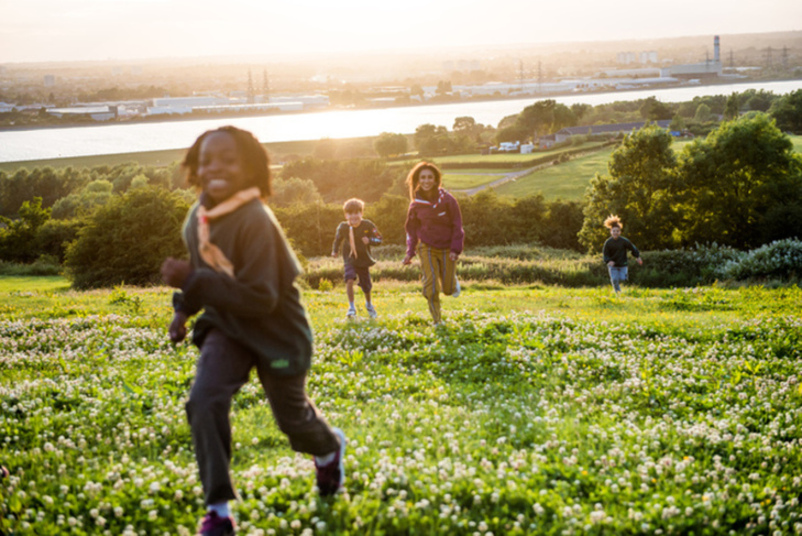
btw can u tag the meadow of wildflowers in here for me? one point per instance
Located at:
(533, 410)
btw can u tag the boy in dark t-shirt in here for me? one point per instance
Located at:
(357, 260)
(615, 252)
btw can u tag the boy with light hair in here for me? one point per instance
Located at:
(615, 252)
(357, 259)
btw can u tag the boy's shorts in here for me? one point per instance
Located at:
(363, 272)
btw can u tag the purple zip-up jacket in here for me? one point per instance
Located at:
(438, 224)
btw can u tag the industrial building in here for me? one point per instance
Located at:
(698, 71)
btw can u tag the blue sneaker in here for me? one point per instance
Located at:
(371, 310)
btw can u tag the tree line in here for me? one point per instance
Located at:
(740, 186)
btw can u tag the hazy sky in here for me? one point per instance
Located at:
(62, 30)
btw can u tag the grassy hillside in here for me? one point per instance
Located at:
(531, 411)
(569, 180)
(566, 181)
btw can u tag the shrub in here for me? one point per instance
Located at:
(54, 236)
(45, 265)
(780, 259)
(126, 240)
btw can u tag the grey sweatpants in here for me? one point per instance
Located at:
(222, 369)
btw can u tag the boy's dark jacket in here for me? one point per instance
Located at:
(616, 250)
(260, 307)
(364, 258)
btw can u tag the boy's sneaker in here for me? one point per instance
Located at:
(351, 312)
(457, 290)
(330, 477)
(371, 310)
(214, 525)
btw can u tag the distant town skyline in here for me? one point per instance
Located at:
(88, 30)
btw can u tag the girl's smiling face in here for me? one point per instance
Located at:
(221, 169)
(426, 179)
(615, 232)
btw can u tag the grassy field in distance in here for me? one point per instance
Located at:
(463, 180)
(566, 181)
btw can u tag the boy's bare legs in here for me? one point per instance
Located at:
(349, 292)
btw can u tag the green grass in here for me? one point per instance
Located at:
(463, 181)
(566, 181)
(533, 410)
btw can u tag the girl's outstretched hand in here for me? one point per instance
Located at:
(175, 272)
(407, 260)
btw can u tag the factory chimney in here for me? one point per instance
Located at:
(716, 50)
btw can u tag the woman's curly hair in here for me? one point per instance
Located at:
(413, 178)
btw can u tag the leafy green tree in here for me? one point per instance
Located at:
(464, 125)
(545, 117)
(703, 113)
(739, 182)
(338, 180)
(513, 133)
(561, 225)
(389, 215)
(54, 236)
(488, 220)
(140, 181)
(653, 110)
(126, 240)
(640, 188)
(18, 236)
(733, 107)
(95, 194)
(434, 140)
(687, 109)
(311, 227)
(424, 132)
(390, 144)
(677, 123)
(47, 183)
(292, 191)
(787, 111)
(527, 215)
(580, 110)
(759, 101)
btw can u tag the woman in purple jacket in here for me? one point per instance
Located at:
(434, 227)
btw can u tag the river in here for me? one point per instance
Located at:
(37, 144)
